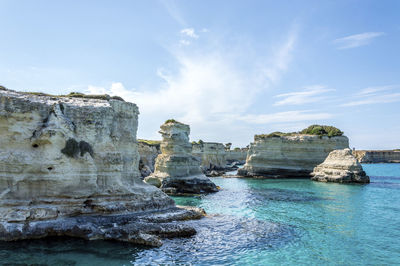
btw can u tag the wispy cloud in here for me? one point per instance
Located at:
(375, 95)
(284, 117)
(212, 89)
(184, 42)
(357, 40)
(307, 95)
(190, 33)
(173, 11)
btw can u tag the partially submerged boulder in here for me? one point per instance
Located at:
(341, 167)
(177, 171)
(69, 166)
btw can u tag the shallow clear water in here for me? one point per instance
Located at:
(259, 222)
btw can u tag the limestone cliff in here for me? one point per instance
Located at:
(237, 155)
(341, 167)
(211, 154)
(289, 156)
(377, 156)
(148, 151)
(64, 157)
(177, 171)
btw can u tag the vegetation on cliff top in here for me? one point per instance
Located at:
(105, 97)
(317, 130)
(150, 142)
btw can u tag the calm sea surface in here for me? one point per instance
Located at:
(259, 222)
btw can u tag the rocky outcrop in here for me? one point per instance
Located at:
(211, 154)
(177, 171)
(148, 152)
(341, 167)
(69, 166)
(291, 156)
(237, 155)
(377, 156)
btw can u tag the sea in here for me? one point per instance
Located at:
(257, 222)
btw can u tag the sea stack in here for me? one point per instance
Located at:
(69, 167)
(341, 167)
(177, 171)
(291, 155)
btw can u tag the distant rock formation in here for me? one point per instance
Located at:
(69, 166)
(177, 171)
(377, 156)
(237, 155)
(289, 155)
(148, 151)
(211, 154)
(341, 167)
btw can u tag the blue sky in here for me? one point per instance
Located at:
(230, 69)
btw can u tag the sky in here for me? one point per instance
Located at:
(229, 69)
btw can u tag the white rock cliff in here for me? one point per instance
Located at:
(177, 171)
(65, 157)
(289, 156)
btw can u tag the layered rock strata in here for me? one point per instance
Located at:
(68, 164)
(211, 154)
(293, 156)
(341, 167)
(377, 156)
(177, 171)
(237, 155)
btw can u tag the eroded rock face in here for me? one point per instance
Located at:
(211, 154)
(148, 154)
(177, 171)
(341, 167)
(377, 156)
(289, 156)
(65, 157)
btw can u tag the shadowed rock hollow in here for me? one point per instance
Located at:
(66, 160)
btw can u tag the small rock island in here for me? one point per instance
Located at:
(291, 155)
(177, 171)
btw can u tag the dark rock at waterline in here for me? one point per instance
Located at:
(145, 229)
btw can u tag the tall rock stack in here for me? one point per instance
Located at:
(341, 167)
(177, 171)
(211, 154)
(67, 159)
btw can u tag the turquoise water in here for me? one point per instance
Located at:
(259, 222)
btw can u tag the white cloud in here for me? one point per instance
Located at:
(357, 40)
(173, 11)
(211, 91)
(375, 95)
(284, 117)
(189, 32)
(307, 95)
(184, 42)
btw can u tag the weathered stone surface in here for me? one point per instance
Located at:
(341, 167)
(62, 158)
(237, 155)
(377, 156)
(289, 156)
(211, 154)
(148, 154)
(177, 171)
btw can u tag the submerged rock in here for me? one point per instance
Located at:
(69, 166)
(289, 156)
(177, 171)
(341, 167)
